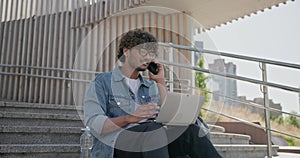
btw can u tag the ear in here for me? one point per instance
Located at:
(125, 51)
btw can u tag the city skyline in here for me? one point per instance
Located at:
(229, 87)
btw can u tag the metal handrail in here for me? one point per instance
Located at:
(267, 61)
(247, 122)
(244, 102)
(270, 84)
(49, 68)
(46, 77)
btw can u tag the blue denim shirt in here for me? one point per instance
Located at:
(109, 96)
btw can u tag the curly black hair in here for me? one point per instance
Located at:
(134, 38)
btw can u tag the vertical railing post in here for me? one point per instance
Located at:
(171, 68)
(267, 111)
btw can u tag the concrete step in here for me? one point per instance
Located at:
(39, 150)
(287, 155)
(40, 108)
(229, 138)
(215, 128)
(244, 151)
(39, 119)
(39, 135)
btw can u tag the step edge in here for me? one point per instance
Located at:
(39, 148)
(40, 115)
(40, 106)
(230, 134)
(39, 129)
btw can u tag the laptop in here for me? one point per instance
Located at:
(180, 109)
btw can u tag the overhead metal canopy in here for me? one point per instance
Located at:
(212, 13)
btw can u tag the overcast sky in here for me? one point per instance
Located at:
(273, 34)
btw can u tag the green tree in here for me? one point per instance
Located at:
(201, 80)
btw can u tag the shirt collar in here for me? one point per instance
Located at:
(117, 76)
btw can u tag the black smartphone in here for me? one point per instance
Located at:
(153, 67)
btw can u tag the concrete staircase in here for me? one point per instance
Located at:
(32, 130)
(237, 145)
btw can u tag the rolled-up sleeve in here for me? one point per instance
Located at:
(94, 114)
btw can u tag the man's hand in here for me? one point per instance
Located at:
(160, 80)
(143, 112)
(160, 76)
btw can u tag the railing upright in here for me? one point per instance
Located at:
(171, 67)
(266, 110)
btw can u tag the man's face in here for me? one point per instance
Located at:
(139, 58)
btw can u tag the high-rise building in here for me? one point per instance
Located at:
(224, 86)
(197, 55)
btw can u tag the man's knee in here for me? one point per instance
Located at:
(192, 129)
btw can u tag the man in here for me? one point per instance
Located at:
(120, 105)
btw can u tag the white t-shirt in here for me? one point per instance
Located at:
(134, 85)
